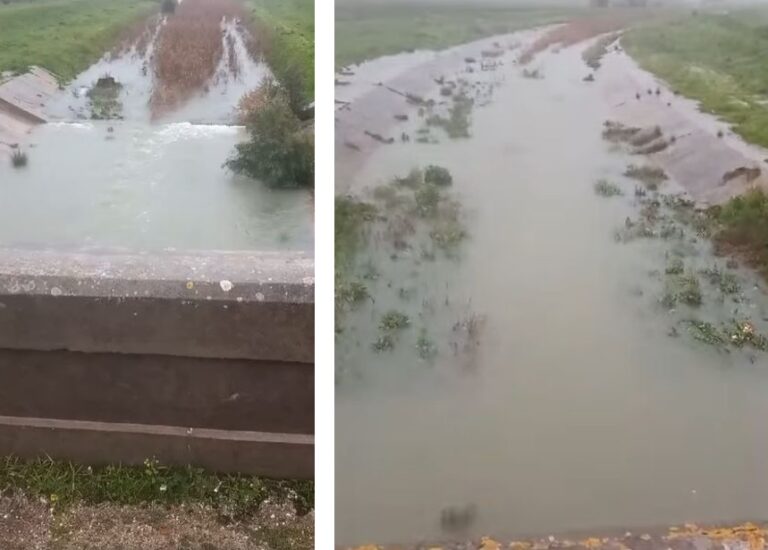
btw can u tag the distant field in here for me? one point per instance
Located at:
(63, 36)
(291, 24)
(719, 60)
(372, 30)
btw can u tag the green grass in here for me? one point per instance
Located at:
(718, 60)
(232, 496)
(368, 30)
(291, 24)
(744, 228)
(63, 36)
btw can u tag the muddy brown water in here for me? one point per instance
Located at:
(148, 183)
(580, 411)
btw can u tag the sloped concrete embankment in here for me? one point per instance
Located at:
(709, 161)
(22, 100)
(203, 360)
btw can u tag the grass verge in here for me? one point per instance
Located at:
(63, 36)
(233, 496)
(717, 59)
(743, 229)
(367, 30)
(290, 44)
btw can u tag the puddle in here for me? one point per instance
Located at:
(579, 410)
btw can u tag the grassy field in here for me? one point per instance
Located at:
(719, 60)
(371, 30)
(63, 36)
(291, 24)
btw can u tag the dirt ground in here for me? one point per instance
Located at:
(27, 524)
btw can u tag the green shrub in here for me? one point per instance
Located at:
(280, 152)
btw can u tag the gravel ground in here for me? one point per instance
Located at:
(28, 524)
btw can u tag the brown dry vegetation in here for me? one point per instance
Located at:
(189, 49)
(578, 31)
(138, 34)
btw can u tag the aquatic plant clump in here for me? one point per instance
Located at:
(19, 159)
(651, 176)
(682, 288)
(457, 123)
(394, 320)
(737, 333)
(104, 98)
(438, 175)
(675, 267)
(605, 188)
(425, 347)
(726, 282)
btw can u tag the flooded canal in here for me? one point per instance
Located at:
(146, 178)
(583, 401)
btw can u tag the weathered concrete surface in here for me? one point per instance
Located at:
(745, 536)
(698, 159)
(261, 453)
(22, 102)
(158, 389)
(218, 305)
(204, 359)
(367, 102)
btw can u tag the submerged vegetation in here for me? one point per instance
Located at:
(605, 188)
(280, 151)
(105, 98)
(413, 218)
(717, 59)
(19, 159)
(457, 123)
(651, 176)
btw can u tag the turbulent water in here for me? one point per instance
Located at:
(580, 409)
(149, 184)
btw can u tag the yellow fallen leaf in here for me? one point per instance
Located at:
(487, 543)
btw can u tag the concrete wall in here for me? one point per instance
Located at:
(116, 357)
